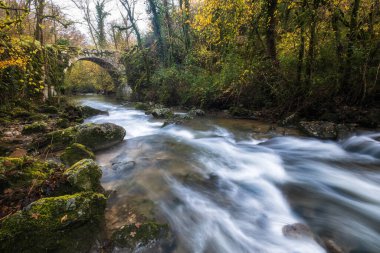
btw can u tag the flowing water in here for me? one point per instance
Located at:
(232, 185)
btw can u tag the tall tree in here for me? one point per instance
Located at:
(271, 7)
(101, 15)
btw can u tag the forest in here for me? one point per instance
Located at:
(310, 57)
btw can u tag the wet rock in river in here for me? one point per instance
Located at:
(297, 231)
(75, 153)
(324, 129)
(84, 175)
(332, 247)
(140, 235)
(88, 111)
(162, 113)
(196, 113)
(58, 224)
(100, 136)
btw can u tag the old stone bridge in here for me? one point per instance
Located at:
(108, 60)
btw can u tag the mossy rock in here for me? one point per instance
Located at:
(59, 224)
(140, 235)
(162, 113)
(61, 138)
(49, 109)
(23, 172)
(84, 176)
(142, 106)
(39, 117)
(63, 123)
(88, 111)
(100, 136)
(75, 153)
(20, 113)
(36, 127)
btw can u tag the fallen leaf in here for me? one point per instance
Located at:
(64, 218)
(138, 225)
(132, 234)
(36, 216)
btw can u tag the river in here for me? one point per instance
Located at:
(231, 186)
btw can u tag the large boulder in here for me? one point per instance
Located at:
(84, 176)
(75, 153)
(94, 136)
(59, 224)
(101, 136)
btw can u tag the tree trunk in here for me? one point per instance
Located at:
(169, 25)
(312, 43)
(347, 82)
(271, 7)
(158, 31)
(38, 33)
(301, 52)
(185, 9)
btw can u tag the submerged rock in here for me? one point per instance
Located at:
(297, 231)
(84, 175)
(141, 235)
(142, 106)
(100, 136)
(75, 153)
(58, 224)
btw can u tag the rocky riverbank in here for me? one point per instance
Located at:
(51, 198)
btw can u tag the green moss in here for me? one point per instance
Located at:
(36, 127)
(63, 123)
(101, 136)
(131, 236)
(61, 138)
(49, 109)
(20, 113)
(23, 172)
(142, 106)
(84, 175)
(59, 224)
(75, 153)
(39, 116)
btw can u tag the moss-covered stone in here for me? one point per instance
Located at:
(100, 136)
(58, 224)
(84, 176)
(48, 109)
(63, 123)
(20, 113)
(142, 106)
(88, 111)
(36, 127)
(75, 153)
(23, 172)
(162, 113)
(61, 138)
(140, 235)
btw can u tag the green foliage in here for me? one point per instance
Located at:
(87, 77)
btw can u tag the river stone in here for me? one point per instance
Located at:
(59, 224)
(88, 111)
(297, 231)
(162, 113)
(196, 112)
(140, 235)
(100, 136)
(75, 153)
(319, 129)
(84, 175)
